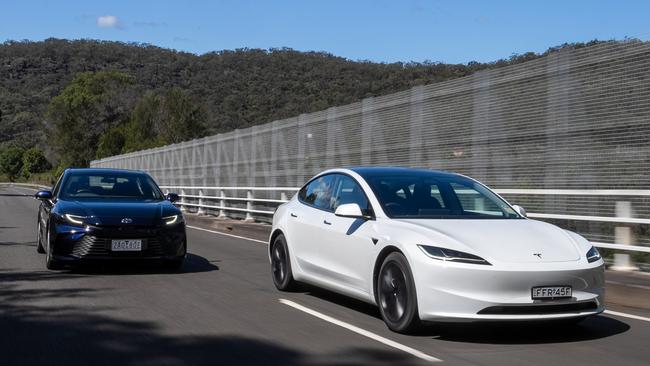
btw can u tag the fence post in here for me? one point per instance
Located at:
(249, 205)
(183, 208)
(201, 210)
(222, 203)
(283, 196)
(623, 235)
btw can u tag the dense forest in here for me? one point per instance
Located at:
(97, 98)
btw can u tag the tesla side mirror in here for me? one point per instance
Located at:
(351, 210)
(172, 197)
(520, 210)
(43, 195)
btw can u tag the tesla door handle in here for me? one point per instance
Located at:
(293, 215)
(327, 222)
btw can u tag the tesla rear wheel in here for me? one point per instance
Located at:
(39, 240)
(50, 262)
(396, 295)
(281, 265)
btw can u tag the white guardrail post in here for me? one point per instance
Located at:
(201, 209)
(623, 235)
(182, 204)
(249, 205)
(222, 204)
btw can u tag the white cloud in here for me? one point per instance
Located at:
(108, 21)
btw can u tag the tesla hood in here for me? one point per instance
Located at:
(508, 240)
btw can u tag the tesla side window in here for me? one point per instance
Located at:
(425, 196)
(318, 192)
(347, 190)
(132, 186)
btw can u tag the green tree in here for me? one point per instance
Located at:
(144, 125)
(110, 143)
(91, 104)
(182, 119)
(11, 162)
(34, 161)
(161, 119)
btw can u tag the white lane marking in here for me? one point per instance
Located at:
(231, 235)
(362, 332)
(628, 285)
(625, 315)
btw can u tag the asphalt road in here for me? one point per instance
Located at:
(222, 308)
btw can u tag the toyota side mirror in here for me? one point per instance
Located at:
(172, 197)
(351, 210)
(43, 195)
(520, 210)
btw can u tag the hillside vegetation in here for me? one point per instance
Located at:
(96, 98)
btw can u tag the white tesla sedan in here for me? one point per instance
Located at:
(428, 246)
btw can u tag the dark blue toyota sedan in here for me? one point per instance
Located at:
(101, 214)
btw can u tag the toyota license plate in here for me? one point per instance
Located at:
(551, 292)
(126, 245)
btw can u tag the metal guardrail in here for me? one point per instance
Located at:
(205, 200)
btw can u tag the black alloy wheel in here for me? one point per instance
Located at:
(281, 265)
(396, 294)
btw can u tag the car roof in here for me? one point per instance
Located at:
(373, 171)
(103, 171)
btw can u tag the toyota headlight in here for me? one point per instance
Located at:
(173, 219)
(75, 219)
(450, 255)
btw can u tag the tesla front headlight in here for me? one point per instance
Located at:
(75, 219)
(173, 219)
(452, 255)
(593, 255)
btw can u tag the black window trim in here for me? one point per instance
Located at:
(372, 209)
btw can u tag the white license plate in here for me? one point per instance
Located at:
(126, 245)
(551, 292)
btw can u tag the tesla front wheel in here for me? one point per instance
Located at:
(281, 265)
(396, 294)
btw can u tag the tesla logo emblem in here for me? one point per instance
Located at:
(126, 220)
(538, 255)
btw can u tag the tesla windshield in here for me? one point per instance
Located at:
(111, 185)
(428, 196)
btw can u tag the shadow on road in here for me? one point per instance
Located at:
(193, 264)
(42, 326)
(14, 243)
(527, 333)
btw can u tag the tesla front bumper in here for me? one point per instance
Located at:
(469, 292)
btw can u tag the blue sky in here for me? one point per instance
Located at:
(380, 30)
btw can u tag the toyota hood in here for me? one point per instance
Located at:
(508, 240)
(101, 212)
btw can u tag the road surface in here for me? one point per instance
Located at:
(222, 309)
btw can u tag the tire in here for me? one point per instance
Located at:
(281, 265)
(396, 295)
(39, 241)
(50, 262)
(176, 263)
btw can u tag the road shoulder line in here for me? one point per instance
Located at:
(226, 234)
